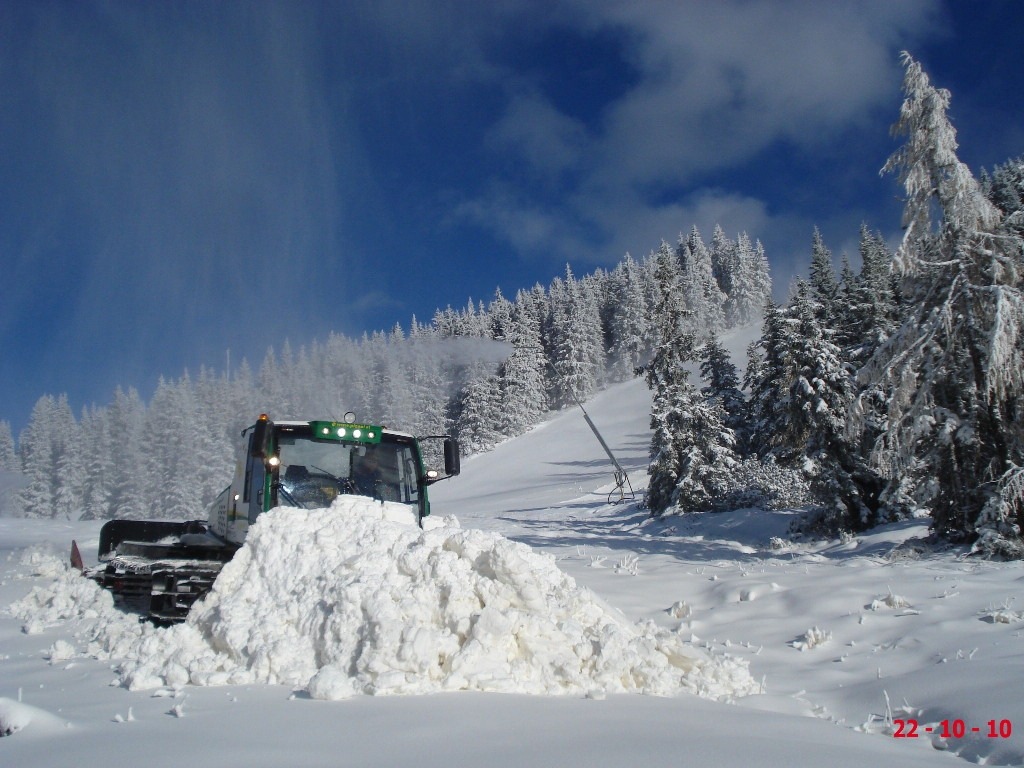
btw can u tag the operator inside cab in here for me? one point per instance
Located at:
(371, 477)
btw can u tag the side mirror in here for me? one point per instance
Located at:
(452, 459)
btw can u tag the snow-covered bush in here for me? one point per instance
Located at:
(764, 484)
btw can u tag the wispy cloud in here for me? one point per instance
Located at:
(715, 85)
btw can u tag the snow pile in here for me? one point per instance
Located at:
(68, 597)
(345, 601)
(15, 716)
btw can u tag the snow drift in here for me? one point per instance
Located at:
(344, 601)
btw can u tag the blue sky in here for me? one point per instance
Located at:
(182, 178)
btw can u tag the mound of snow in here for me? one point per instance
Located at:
(344, 601)
(68, 597)
(15, 716)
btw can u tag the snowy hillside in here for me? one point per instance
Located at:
(764, 651)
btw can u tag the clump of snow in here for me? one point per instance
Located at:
(679, 610)
(43, 560)
(812, 638)
(889, 601)
(61, 650)
(345, 601)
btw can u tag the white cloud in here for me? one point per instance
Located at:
(550, 141)
(716, 84)
(721, 81)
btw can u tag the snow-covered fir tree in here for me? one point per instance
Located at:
(723, 382)
(823, 283)
(1005, 189)
(725, 264)
(9, 461)
(51, 456)
(820, 395)
(691, 449)
(870, 311)
(628, 320)
(100, 471)
(171, 427)
(701, 293)
(522, 375)
(769, 428)
(128, 447)
(949, 380)
(575, 340)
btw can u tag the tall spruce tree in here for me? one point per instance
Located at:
(8, 455)
(723, 382)
(951, 378)
(820, 396)
(630, 335)
(823, 281)
(575, 338)
(701, 292)
(691, 449)
(769, 427)
(1005, 189)
(524, 396)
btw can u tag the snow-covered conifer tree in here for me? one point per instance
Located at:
(768, 427)
(172, 427)
(819, 399)
(950, 380)
(100, 472)
(630, 342)
(575, 338)
(1005, 189)
(691, 449)
(871, 310)
(9, 461)
(823, 281)
(751, 283)
(524, 396)
(724, 264)
(53, 461)
(701, 292)
(40, 452)
(723, 382)
(128, 447)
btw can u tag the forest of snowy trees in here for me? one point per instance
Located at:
(871, 394)
(485, 372)
(890, 392)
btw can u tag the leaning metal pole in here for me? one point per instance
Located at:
(621, 478)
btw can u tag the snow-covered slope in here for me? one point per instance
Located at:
(839, 639)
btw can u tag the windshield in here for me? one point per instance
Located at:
(312, 473)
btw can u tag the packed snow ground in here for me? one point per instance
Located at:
(836, 640)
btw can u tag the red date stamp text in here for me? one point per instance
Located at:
(951, 729)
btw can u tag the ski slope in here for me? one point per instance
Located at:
(842, 641)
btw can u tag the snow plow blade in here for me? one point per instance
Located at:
(158, 568)
(151, 531)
